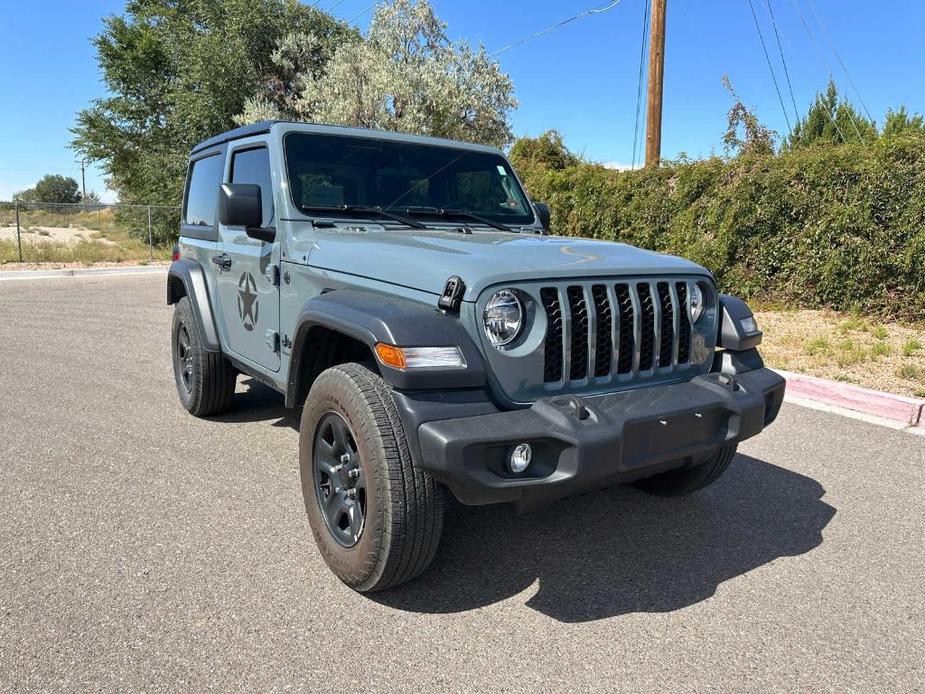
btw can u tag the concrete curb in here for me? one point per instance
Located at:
(81, 272)
(909, 411)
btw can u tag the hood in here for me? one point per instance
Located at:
(424, 260)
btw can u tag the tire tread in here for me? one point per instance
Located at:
(214, 388)
(413, 508)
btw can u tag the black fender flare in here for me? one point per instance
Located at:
(731, 334)
(369, 318)
(185, 277)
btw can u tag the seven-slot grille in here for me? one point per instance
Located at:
(624, 329)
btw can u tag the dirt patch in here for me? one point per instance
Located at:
(43, 234)
(880, 355)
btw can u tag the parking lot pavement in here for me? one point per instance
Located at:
(141, 548)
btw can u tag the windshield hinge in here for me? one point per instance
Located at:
(452, 295)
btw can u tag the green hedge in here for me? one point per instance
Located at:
(837, 226)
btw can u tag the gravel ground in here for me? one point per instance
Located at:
(141, 548)
(885, 356)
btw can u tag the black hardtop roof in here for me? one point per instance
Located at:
(235, 134)
(263, 127)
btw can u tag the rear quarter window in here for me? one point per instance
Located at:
(205, 177)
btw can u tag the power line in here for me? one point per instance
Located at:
(812, 6)
(594, 10)
(828, 70)
(360, 14)
(334, 5)
(780, 49)
(642, 55)
(770, 66)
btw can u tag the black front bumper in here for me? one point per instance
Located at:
(582, 444)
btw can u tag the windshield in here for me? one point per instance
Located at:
(327, 171)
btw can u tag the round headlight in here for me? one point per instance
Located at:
(503, 317)
(696, 302)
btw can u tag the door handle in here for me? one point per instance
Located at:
(223, 261)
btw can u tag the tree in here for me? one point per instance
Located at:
(548, 151)
(830, 121)
(27, 195)
(900, 121)
(745, 134)
(51, 188)
(406, 75)
(177, 73)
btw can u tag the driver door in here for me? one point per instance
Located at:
(248, 269)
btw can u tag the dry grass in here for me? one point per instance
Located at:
(102, 219)
(843, 347)
(75, 238)
(82, 251)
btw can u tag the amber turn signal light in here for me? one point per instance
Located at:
(420, 357)
(390, 355)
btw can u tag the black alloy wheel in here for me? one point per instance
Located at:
(184, 356)
(340, 484)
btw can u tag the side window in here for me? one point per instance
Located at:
(202, 193)
(253, 166)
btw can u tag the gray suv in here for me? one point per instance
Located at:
(404, 293)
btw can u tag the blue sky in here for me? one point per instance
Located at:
(580, 79)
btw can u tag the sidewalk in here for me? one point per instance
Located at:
(82, 272)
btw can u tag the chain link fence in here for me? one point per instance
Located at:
(39, 232)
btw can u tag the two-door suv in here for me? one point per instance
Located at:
(405, 293)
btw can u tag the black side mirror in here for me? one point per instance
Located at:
(542, 209)
(240, 205)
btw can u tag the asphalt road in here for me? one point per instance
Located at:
(141, 548)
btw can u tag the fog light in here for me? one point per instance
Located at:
(520, 458)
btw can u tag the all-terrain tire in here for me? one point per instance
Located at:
(205, 380)
(689, 479)
(402, 504)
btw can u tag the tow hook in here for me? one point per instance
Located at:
(579, 411)
(727, 381)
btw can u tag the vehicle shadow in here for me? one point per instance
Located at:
(621, 551)
(607, 553)
(258, 403)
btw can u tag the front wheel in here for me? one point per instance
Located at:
(376, 517)
(689, 479)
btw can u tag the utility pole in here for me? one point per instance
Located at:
(83, 179)
(656, 82)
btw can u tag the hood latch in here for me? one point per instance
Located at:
(452, 295)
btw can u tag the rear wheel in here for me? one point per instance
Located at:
(376, 517)
(689, 479)
(205, 380)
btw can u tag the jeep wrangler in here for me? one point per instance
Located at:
(405, 294)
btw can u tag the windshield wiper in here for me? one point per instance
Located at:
(362, 209)
(465, 214)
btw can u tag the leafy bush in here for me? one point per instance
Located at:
(828, 226)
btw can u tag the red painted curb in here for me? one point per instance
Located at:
(909, 411)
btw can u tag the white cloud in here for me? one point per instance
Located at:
(616, 165)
